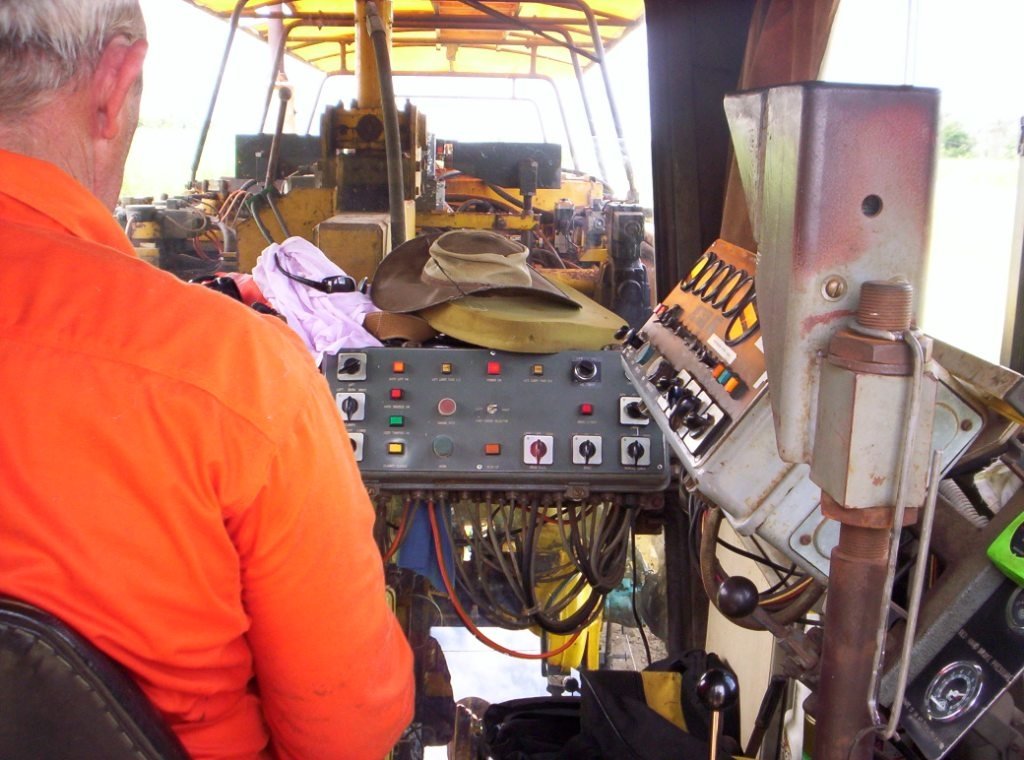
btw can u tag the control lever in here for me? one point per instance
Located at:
(662, 375)
(350, 366)
(538, 449)
(677, 392)
(349, 405)
(717, 690)
(587, 450)
(637, 410)
(697, 423)
(636, 451)
(670, 318)
(738, 598)
(683, 411)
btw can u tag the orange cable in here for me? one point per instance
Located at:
(403, 524)
(465, 618)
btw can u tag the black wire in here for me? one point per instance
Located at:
(782, 581)
(255, 213)
(636, 612)
(751, 556)
(763, 553)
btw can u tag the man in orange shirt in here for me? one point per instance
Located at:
(175, 482)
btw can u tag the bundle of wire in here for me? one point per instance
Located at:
(790, 597)
(529, 565)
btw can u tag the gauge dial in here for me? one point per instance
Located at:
(1015, 611)
(953, 691)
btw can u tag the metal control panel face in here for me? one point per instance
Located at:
(700, 358)
(475, 419)
(973, 668)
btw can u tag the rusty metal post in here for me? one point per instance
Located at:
(856, 577)
(872, 479)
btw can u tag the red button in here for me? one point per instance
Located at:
(493, 368)
(586, 409)
(396, 394)
(492, 449)
(446, 407)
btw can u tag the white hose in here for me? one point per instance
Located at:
(956, 497)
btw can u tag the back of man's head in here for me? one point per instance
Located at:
(46, 45)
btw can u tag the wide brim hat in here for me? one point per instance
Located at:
(431, 270)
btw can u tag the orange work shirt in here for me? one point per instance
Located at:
(176, 484)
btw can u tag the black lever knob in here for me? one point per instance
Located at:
(637, 410)
(587, 451)
(737, 596)
(677, 392)
(350, 366)
(696, 423)
(636, 451)
(349, 406)
(671, 316)
(717, 689)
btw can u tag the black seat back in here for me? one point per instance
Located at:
(62, 698)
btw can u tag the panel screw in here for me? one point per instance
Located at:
(834, 288)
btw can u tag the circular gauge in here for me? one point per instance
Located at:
(1015, 611)
(953, 691)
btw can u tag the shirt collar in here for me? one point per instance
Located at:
(56, 194)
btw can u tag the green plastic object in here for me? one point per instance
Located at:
(1007, 551)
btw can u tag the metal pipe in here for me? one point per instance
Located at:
(433, 20)
(627, 164)
(392, 136)
(284, 94)
(278, 61)
(590, 116)
(316, 102)
(205, 130)
(856, 578)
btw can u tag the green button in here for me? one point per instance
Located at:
(396, 420)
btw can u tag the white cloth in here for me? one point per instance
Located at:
(326, 322)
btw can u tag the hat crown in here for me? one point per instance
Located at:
(477, 257)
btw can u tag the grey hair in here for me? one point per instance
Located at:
(48, 44)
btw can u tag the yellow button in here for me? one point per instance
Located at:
(538, 369)
(398, 367)
(446, 368)
(731, 384)
(396, 447)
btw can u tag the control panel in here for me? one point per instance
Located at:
(478, 419)
(698, 366)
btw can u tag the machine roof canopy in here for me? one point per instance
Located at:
(533, 38)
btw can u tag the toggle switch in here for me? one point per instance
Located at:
(356, 439)
(538, 449)
(351, 367)
(632, 411)
(352, 406)
(586, 449)
(635, 451)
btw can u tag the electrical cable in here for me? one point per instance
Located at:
(797, 600)
(403, 526)
(255, 214)
(466, 620)
(636, 612)
(268, 196)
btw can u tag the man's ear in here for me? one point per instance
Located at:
(118, 71)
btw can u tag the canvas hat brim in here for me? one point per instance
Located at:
(398, 284)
